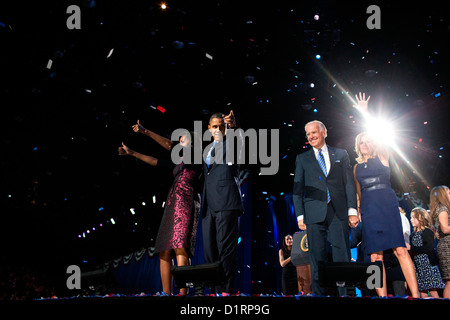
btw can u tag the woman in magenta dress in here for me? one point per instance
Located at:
(378, 204)
(178, 228)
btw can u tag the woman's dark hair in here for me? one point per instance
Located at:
(285, 249)
(195, 138)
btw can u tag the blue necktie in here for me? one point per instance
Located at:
(323, 166)
(208, 157)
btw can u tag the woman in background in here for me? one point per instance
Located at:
(439, 209)
(289, 275)
(424, 256)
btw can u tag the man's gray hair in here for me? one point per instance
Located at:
(321, 125)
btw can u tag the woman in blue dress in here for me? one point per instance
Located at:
(378, 205)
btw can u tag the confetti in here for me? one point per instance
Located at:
(178, 44)
(110, 53)
(161, 109)
(209, 56)
(49, 63)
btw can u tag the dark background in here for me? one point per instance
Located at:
(60, 127)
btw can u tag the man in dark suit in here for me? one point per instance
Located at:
(222, 203)
(324, 200)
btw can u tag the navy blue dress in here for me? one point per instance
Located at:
(380, 216)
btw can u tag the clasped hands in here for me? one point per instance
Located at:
(353, 222)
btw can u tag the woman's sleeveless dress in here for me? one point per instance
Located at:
(380, 215)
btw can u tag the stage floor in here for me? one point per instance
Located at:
(230, 307)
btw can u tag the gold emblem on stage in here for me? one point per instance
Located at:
(304, 243)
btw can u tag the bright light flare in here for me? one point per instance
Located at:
(163, 6)
(380, 130)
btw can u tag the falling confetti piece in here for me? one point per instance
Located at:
(49, 63)
(110, 53)
(209, 56)
(161, 109)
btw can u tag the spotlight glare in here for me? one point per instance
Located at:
(380, 130)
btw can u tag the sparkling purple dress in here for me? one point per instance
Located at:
(178, 228)
(381, 222)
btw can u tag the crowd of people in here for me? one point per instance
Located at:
(427, 244)
(340, 207)
(330, 199)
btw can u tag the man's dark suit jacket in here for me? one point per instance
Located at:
(221, 190)
(310, 186)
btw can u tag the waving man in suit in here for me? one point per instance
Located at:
(222, 202)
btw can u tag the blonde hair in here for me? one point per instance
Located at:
(423, 217)
(360, 158)
(438, 196)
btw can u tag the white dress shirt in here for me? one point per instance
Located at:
(406, 228)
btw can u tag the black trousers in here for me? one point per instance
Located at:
(220, 238)
(336, 232)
